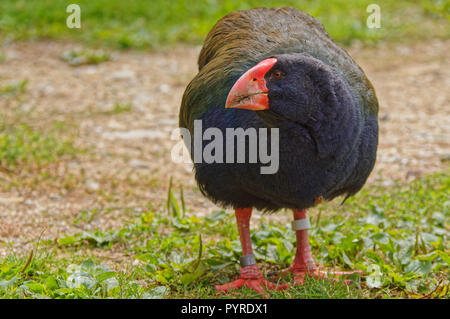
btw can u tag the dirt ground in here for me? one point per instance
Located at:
(127, 166)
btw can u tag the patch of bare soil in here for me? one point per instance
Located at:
(128, 165)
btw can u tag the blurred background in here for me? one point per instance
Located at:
(150, 24)
(86, 117)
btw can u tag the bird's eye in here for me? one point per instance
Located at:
(277, 74)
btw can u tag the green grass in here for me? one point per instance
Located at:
(142, 24)
(398, 236)
(81, 57)
(22, 145)
(119, 108)
(13, 89)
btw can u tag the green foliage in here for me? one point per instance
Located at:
(82, 57)
(21, 145)
(120, 108)
(13, 89)
(149, 24)
(398, 236)
(94, 239)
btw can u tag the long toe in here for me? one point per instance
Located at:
(236, 284)
(260, 285)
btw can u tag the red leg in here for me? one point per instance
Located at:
(304, 264)
(250, 275)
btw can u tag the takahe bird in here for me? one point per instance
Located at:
(278, 68)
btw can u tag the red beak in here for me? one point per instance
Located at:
(250, 90)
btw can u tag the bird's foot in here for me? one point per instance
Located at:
(251, 277)
(300, 275)
(260, 285)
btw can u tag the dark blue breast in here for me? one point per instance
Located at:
(302, 175)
